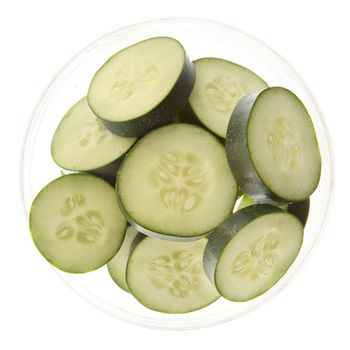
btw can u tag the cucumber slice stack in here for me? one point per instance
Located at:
(179, 141)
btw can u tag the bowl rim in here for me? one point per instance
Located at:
(30, 132)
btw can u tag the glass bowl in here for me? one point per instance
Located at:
(200, 38)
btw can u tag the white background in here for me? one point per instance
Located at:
(37, 310)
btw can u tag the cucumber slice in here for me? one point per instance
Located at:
(272, 147)
(82, 143)
(299, 209)
(218, 87)
(76, 223)
(117, 266)
(252, 250)
(175, 183)
(142, 87)
(169, 277)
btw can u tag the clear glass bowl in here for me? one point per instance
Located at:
(200, 38)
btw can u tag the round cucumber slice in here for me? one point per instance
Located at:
(218, 87)
(169, 277)
(142, 87)
(117, 266)
(76, 223)
(175, 183)
(272, 148)
(82, 143)
(252, 250)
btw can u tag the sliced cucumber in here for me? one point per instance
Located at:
(272, 147)
(252, 250)
(117, 266)
(169, 277)
(218, 87)
(76, 223)
(142, 87)
(82, 143)
(175, 183)
(299, 209)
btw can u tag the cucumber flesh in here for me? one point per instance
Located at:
(279, 159)
(181, 172)
(252, 250)
(82, 143)
(218, 87)
(76, 223)
(117, 266)
(169, 277)
(245, 201)
(142, 87)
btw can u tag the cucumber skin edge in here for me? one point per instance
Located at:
(188, 116)
(109, 171)
(300, 210)
(106, 172)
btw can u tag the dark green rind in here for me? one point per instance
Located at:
(53, 263)
(238, 156)
(300, 210)
(240, 192)
(109, 171)
(138, 239)
(163, 113)
(227, 229)
(177, 120)
(188, 116)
